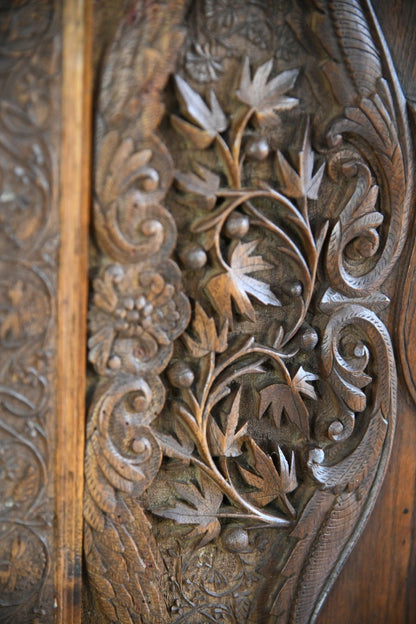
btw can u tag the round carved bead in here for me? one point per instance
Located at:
(309, 339)
(193, 257)
(139, 445)
(293, 289)
(335, 429)
(316, 455)
(257, 148)
(180, 375)
(359, 350)
(151, 181)
(114, 363)
(150, 227)
(237, 225)
(235, 539)
(141, 401)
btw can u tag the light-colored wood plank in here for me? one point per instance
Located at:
(72, 302)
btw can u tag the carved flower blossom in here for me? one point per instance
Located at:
(136, 304)
(220, 14)
(202, 65)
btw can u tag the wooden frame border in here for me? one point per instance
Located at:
(72, 301)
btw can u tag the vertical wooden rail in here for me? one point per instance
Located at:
(72, 303)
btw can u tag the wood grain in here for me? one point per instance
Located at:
(30, 113)
(72, 303)
(377, 584)
(306, 301)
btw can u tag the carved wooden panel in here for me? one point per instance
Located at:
(253, 173)
(29, 241)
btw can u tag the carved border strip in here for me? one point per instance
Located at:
(30, 56)
(135, 280)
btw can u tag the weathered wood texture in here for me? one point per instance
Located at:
(252, 193)
(30, 124)
(45, 111)
(378, 583)
(240, 424)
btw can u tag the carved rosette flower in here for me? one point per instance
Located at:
(202, 64)
(137, 312)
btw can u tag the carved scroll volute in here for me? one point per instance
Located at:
(230, 467)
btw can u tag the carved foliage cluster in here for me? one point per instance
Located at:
(258, 470)
(29, 147)
(137, 310)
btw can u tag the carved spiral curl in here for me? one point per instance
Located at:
(351, 335)
(355, 264)
(122, 453)
(130, 224)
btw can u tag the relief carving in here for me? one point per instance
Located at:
(243, 405)
(29, 143)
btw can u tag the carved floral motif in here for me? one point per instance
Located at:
(135, 302)
(29, 143)
(290, 206)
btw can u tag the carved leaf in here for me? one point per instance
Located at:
(200, 138)
(235, 284)
(99, 347)
(265, 97)
(287, 475)
(212, 120)
(333, 300)
(228, 444)
(304, 183)
(301, 382)
(200, 507)
(282, 398)
(205, 331)
(180, 447)
(268, 483)
(204, 185)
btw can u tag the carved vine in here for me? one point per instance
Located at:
(280, 394)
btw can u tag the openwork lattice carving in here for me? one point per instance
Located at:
(244, 405)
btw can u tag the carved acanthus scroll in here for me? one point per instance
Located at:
(240, 423)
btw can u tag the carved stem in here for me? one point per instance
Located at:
(232, 170)
(212, 471)
(236, 141)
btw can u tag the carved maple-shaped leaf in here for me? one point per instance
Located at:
(282, 398)
(236, 284)
(212, 120)
(204, 185)
(227, 443)
(265, 97)
(200, 507)
(205, 332)
(301, 382)
(179, 447)
(266, 480)
(301, 183)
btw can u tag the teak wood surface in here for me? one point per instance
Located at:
(377, 583)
